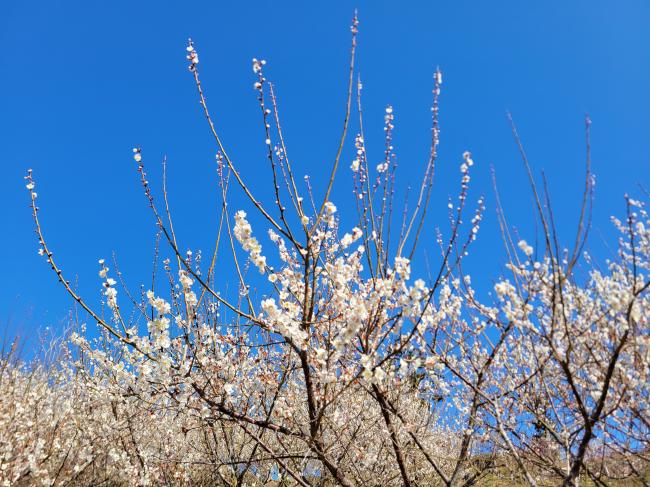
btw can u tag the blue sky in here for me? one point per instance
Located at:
(81, 83)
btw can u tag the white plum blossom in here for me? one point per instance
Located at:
(243, 233)
(525, 248)
(159, 304)
(403, 267)
(349, 238)
(192, 55)
(330, 208)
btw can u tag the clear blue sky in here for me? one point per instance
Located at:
(81, 83)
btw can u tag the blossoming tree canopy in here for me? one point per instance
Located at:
(338, 360)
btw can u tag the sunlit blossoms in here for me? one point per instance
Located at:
(353, 359)
(525, 248)
(110, 291)
(244, 234)
(161, 306)
(192, 55)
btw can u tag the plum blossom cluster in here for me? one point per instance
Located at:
(426, 350)
(110, 291)
(244, 234)
(192, 56)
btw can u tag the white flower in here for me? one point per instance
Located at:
(330, 208)
(270, 308)
(420, 285)
(243, 232)
(192, 55)
(403, 267)
(185, 279)
(503, 288)
(321, 355)
(257, 65)
(349, 239)
(468, 158)
(159, 304)
(525, 248)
